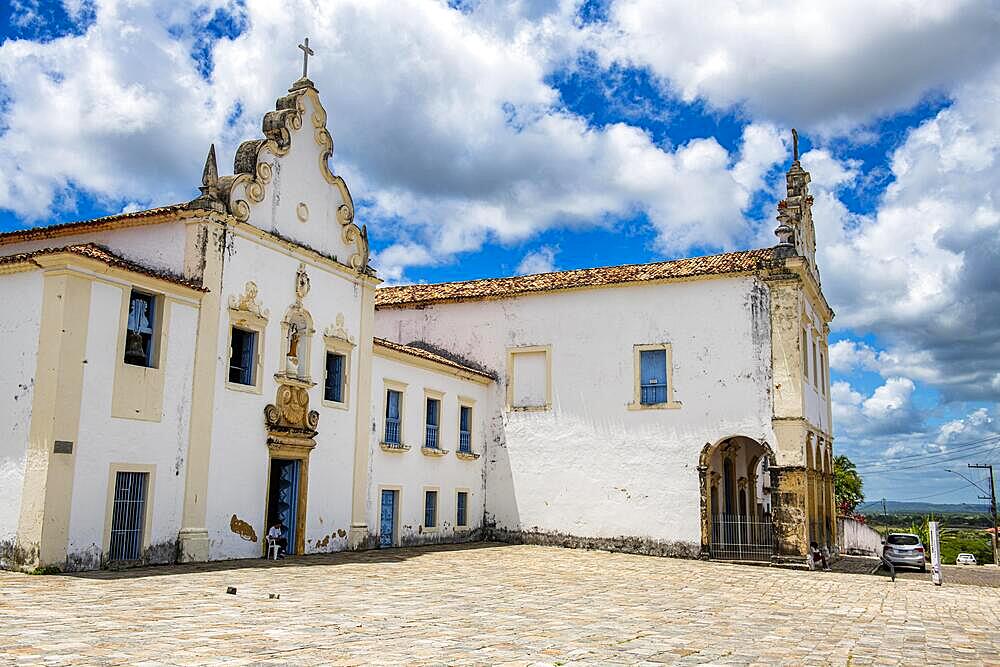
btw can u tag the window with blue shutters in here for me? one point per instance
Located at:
(462, 509)
(465, 429)
(430, 509)
(333, 390)
(392, 417)
(653, 376)
(432, 418)
(242, 357)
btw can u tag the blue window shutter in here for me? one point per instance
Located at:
(338, 378)
(249, 343)
(432, 411)
(654, 366)
(334, 377)
(464, 418)
(392, 405)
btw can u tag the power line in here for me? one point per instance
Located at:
(963, 450)
(927, 464)
(911, 500)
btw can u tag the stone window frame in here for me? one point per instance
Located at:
(147, 519)
(529, 349)
(148, 382)
(257, 324)
(394, 385)
(336, 345)
(437, 509)
(433, 394)
(471, 455)
(636, 403)
(461, 528)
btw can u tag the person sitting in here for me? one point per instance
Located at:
(276, 535)
(818, 556)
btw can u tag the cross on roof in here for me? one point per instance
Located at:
(306, 52)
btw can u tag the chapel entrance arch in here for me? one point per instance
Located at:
(736, 499)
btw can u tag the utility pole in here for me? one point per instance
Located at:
(993, 505)
(885, 518)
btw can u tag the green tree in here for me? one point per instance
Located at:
(848, 488)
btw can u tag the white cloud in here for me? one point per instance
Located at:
(920, 272)
(827, 66)
(847, 355)
(541, 260)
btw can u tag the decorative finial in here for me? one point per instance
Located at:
(210, 176)
(306, 52)
(795, 141)
(209, 197)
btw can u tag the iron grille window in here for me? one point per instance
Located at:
(461, 508)
(139, 332)
(392, 401)
(241, 356)
(128, 516)
(433, 410)
(653, 377)
(465, 429)
(430, 509)
(334, 389)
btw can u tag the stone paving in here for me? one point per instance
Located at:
(491, 604)
(970, 575)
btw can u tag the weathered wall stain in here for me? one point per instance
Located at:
(243, 529)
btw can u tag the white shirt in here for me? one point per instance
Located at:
(275, 532)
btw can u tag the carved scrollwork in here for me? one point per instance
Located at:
(248, 302)
(312, 419)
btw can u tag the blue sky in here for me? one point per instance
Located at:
(492, 138)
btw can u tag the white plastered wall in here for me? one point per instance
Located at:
(104, 440)
(238, 466)
(590, 466)
(160, 246)
(816, 389)
(298, 202)
(19, 329)
(411, 472)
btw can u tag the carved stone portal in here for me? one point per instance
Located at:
(289, 420)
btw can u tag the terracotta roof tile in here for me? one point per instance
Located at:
(65, 228)
(501, 288)
(101, 254)
(431, 356)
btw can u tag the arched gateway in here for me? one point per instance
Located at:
(736, 499)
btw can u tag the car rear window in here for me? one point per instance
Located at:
(903, 539)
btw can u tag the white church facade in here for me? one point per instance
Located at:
(177, 380)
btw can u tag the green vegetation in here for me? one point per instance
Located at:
(48, 569)
(959, 533)
(848, 488)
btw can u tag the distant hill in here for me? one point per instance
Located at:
(904, 507)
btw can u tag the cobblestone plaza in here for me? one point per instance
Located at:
(491, 604)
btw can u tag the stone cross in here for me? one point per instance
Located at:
(306, 52)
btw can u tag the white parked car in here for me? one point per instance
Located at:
(965, 559)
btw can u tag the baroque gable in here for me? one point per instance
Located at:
(283, 183)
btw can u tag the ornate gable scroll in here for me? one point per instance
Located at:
(260, 164)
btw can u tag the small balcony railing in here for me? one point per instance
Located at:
(652, 394)
(391, 431)
(465, 442)
(432, 436)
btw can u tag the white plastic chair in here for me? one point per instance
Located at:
(273, 549)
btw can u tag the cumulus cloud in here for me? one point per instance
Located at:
(541, 260)
(920, 271)
(829, 66)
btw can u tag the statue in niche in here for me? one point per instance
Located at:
(292, 357)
